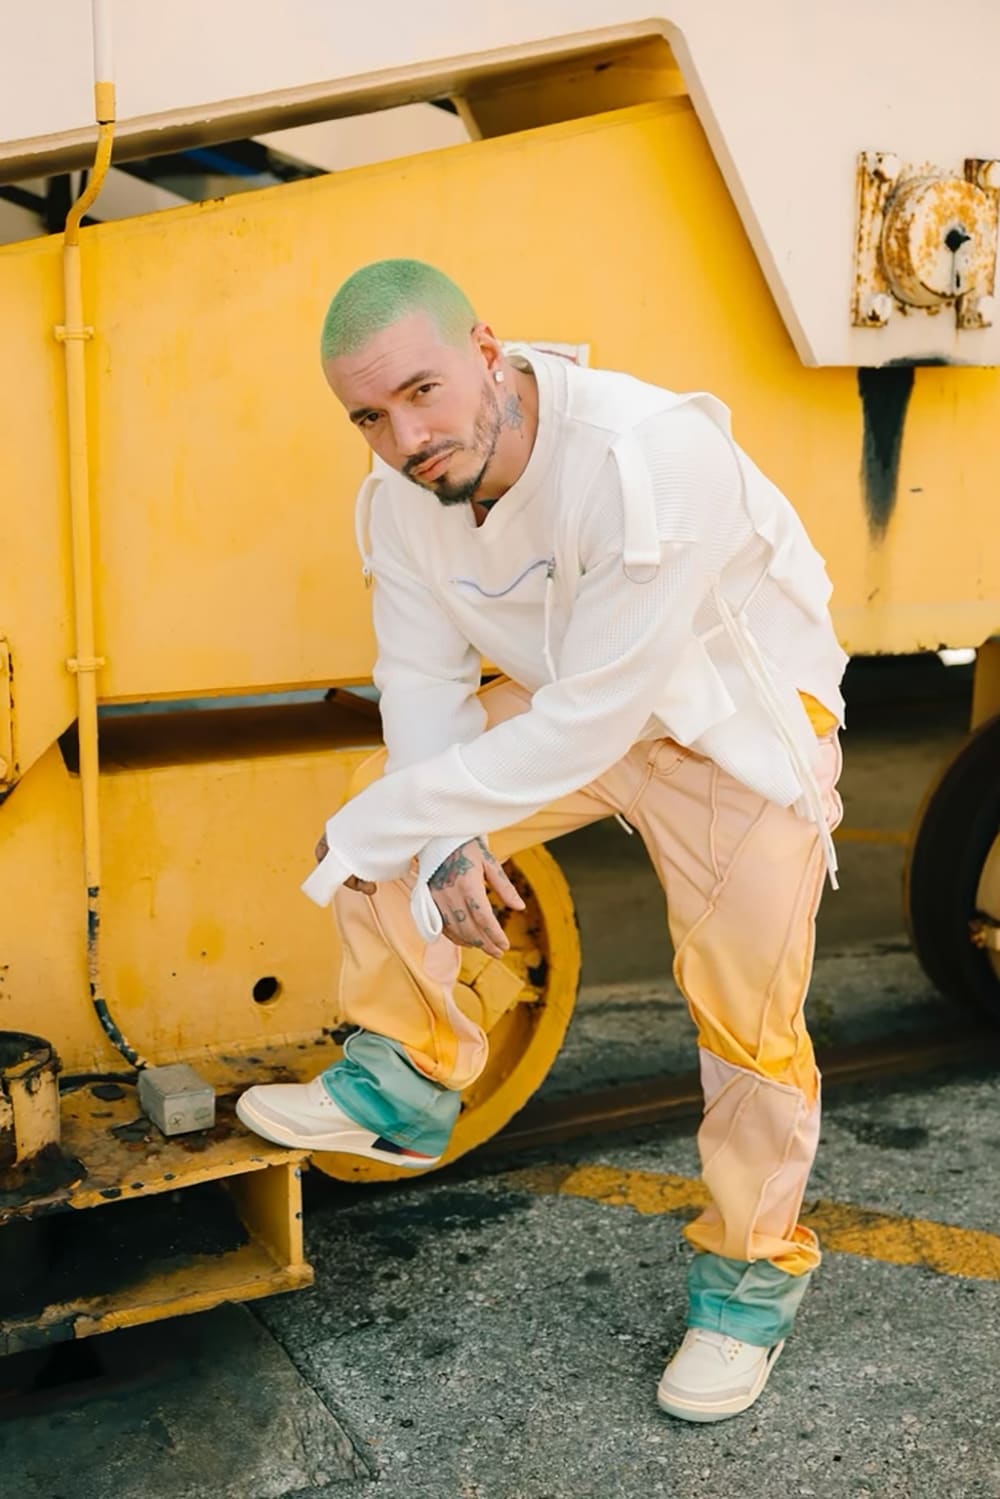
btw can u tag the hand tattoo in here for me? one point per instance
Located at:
(448, 872)
(455, 865)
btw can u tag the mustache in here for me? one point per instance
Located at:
(419, 459)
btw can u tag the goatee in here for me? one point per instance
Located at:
(485, 436)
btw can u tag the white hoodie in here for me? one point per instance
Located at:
(642, 578)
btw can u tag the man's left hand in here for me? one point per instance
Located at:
(458, 888)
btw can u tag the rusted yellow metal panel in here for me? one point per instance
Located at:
(35, 598)
(201, 1283)
(224, 476)
(43, 970)
(243, 1275)
(203, 859)
(270, 1204)
(243, 1240)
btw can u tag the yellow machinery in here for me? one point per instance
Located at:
(177, 529)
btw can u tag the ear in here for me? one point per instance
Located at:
(488, 346)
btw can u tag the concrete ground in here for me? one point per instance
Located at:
(497, 1330)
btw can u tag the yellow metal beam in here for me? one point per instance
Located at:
(499, 103)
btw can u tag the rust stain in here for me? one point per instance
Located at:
(51, 1170)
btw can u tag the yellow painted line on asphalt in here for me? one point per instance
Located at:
(872, 835)
(842, 1227)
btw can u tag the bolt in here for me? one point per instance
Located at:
(878, 309)
(884, 165)
(983, 311)
(988, 176)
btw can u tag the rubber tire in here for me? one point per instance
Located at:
(957, 827)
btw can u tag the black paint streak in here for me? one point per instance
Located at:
(69, 1082)
(93, 915)
(115, 1036)
(885, 395)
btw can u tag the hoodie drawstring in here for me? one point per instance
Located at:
(753, 663)
(550, 665)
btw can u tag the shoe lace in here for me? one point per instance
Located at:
(729, 1348)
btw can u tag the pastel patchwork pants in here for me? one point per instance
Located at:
(743, 879)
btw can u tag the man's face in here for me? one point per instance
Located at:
(427, 408)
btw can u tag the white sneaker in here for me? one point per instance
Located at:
(712, 1376)
(305, 1117)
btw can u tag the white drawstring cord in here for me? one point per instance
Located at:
(550, 666)
(362, 524)
(749, 654)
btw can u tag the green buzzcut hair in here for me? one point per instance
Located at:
(378, 295)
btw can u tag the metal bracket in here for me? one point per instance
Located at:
(926, 240)
(8, 759)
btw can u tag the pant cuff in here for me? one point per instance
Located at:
(378, 1088)
(753, 1301)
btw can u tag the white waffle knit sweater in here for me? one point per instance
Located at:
(642, 578)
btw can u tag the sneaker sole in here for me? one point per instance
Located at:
(342, 1142)
(693, 1410)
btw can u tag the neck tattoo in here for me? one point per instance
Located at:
(513, 414)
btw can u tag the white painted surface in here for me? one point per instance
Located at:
(337, 145)
(788, 93)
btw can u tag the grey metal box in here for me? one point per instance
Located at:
(176, 1099)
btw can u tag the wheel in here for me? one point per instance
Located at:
(952, 880)
(524, 1003)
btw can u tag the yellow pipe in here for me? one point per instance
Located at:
(85, 664)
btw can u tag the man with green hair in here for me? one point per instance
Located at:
(661, 622)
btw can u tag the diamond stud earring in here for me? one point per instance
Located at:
(498, 376)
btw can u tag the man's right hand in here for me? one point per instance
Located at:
(458, 887)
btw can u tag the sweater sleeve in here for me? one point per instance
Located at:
(611, 672)
(427, 672)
